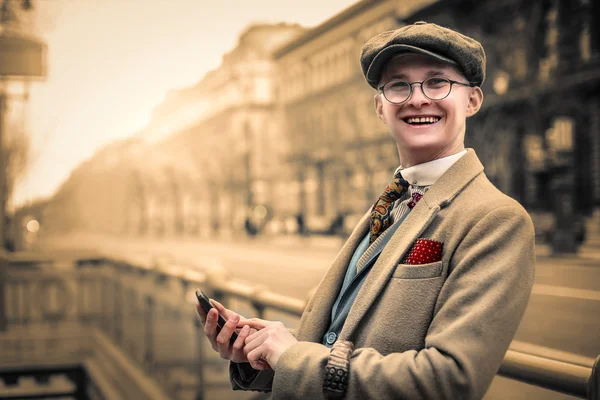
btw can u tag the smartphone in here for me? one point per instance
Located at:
(205, 303)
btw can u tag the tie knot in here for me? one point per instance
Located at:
(380, 214)
(395, 189)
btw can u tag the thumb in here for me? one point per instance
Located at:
(225, 312)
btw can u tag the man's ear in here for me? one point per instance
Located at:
(378, 106)
(475, 101)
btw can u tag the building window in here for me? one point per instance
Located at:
(585, 42)
(549, 63)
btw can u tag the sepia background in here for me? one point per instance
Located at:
(153, 146)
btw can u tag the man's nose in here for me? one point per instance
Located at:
(417, 97)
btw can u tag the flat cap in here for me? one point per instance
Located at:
(424, 38)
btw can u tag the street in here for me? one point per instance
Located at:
(563, 312)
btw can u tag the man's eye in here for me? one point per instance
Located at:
(436, 82)
(398, 85)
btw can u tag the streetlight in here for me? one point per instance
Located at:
(22, 58)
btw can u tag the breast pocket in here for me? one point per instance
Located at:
(422, 271)
(404, 310)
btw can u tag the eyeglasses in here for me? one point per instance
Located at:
(397, 92)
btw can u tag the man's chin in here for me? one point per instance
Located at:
(421, 150)
(420, 145)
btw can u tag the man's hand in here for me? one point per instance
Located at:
(220, 342)
(268, 343)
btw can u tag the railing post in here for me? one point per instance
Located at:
(118, 311)
(132, 318)
(594, 382)
(200, 358)
(260, 309)
(80, 380)
(106, 299)
(148, 333)
(79, 296)
(3, 284)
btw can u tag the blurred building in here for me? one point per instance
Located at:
(209, 159)
(286, 127)
(235, 141)
(538, 131)
(537, 134)
(112, 193)
(341, 154)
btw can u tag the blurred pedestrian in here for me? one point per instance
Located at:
(427, 293)
(300, 224)
(250, 228)
(337, 225)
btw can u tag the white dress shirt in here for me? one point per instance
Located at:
(420, 177)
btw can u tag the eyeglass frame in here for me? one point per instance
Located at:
(410, 92)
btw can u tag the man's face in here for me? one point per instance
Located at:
(422, 142)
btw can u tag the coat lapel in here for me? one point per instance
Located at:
(319, 309)
(439, 195)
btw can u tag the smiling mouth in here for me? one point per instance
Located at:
(421, 120)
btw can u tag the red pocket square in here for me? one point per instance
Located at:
(424, 251)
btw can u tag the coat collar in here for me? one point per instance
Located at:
(427, 173)
(452, 182)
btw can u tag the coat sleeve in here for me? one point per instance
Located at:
(476, 316)
(243, 377)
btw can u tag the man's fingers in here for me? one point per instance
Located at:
(225, 312)
(257, 323)
(263, 364)
(255, 359)
(254, 340)
(224, 336)
(221, 308)
(238, 345)
(210, 325)
(210, 328)
(201, 312)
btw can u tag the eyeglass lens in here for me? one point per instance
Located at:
(433, 88)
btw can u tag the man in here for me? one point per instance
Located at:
(427, 293)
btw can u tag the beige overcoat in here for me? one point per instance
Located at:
(432, 331)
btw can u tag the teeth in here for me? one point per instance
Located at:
(422, 120)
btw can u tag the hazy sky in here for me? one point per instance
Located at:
(110, 62)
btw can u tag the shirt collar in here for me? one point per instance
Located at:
(427, 173)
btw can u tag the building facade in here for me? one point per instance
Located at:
(210, 159)
(235, 141)
(537, 133)
(286, 126)
(341, 154)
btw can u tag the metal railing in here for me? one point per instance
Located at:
(143, 306)
(556, 371)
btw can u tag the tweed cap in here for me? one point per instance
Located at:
(424, 38)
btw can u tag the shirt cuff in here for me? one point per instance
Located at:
(243, 377)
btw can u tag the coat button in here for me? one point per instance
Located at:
(331, 338)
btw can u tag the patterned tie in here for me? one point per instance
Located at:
(380, 214)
